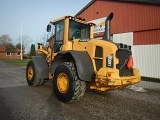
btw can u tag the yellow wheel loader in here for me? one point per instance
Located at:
(77, 60)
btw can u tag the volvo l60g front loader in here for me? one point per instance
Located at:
(77, 60)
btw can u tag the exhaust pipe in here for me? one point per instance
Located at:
(106, 35)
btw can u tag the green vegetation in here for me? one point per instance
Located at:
(16, 62)
(32, 51)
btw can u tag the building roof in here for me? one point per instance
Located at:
(153, 2)
(3, 49)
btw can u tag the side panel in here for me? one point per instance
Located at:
(125, 38)
(41, 67)
(83, 62)
(84, 65)
(58, 59)
(146, 59)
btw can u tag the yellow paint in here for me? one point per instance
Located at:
(106, 78)
(103, 82)
(62, 82)
(30, 73)
(50, 76)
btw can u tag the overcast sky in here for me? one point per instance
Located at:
(35, 14)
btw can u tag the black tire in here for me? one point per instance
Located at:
(31, 77)
(76, 88)
(41, 82)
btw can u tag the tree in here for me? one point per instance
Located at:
(32, 51)
(18, 45)
(10, 47)
(43, 39)
(5, 39)
(25, 41)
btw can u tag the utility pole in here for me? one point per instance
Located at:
(21, 40)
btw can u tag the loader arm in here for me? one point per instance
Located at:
(49, 54)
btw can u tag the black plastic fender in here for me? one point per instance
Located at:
(82, 60)
(41, 66)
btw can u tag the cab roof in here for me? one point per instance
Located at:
(71, 18)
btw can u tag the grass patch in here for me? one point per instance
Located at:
(16, 62)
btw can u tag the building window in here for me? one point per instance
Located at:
(18, 54)
(8, 53)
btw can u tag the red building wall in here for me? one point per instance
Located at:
(51, 42)
(11, 56)
(128, 16)
(146, 37)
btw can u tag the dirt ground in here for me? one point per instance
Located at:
(18, 101)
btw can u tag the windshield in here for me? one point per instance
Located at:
(78, 30)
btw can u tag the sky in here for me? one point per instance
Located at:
(34, 15)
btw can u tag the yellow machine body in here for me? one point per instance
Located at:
(106, 78)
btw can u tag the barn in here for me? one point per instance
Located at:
(136, 23)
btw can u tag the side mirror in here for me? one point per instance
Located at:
(48, 28)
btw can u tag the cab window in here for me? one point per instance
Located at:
(78, 30)
(59, 35)
(59, 30)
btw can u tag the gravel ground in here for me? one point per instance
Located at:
(18, 101)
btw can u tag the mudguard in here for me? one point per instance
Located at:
(82, 60)
(41, 66)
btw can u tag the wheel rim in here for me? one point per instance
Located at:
(62, 82)
(30, 73)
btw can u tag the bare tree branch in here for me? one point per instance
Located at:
(25, 42)
(43, 39)
(5, 39)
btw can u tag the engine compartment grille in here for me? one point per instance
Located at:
(123, 55)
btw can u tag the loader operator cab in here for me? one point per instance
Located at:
(75, 30)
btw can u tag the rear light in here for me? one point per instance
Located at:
(109, 74)
(130, 62)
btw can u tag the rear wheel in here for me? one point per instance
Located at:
(67, 86)
(31, 77)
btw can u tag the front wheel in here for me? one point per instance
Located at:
(31, 77)
(67, 86)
